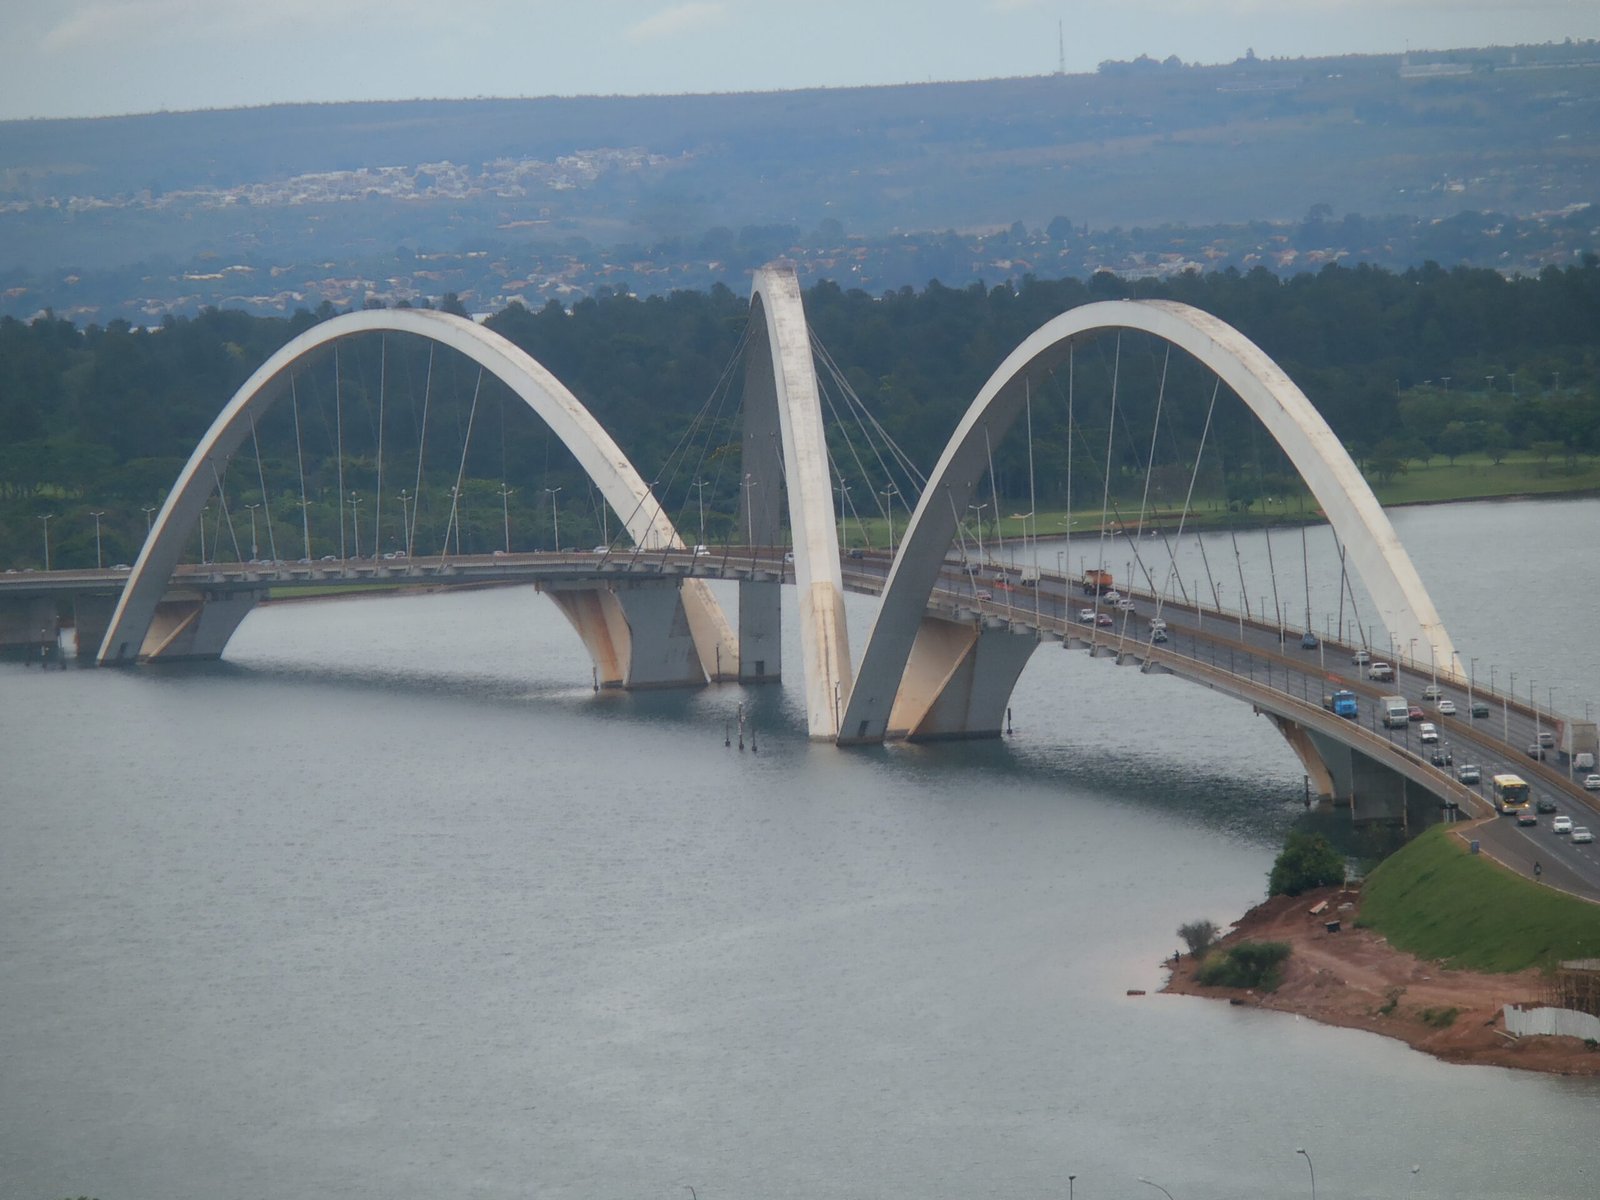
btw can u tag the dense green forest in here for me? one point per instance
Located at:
(1406, 367)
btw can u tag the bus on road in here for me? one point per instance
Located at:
(1510, 793)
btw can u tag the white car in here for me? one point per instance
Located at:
(1591, 783)
(1086, 615)
(1112, 597)
(1432, 692)
(1561, 824)
(1125, 604)
(1361, 658)
(1447, 708)
(1380, 670)
(1428, 731)
(1581, 835)
(1157, 623)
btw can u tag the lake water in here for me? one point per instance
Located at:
(391, 904)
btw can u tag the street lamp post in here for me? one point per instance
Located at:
(149, 511)
(555, 518)
(46, 519)
(888, 494)
(1157, 1186)
(750, 510)
(700, 490)
(1313, 1171)
(99, 563)
(355, 521)
(979, 508)
(204, 512)
(1505, 708)
(405, 499)
(505, 512)
(255, 552)
(1472, 681)
(844, 522)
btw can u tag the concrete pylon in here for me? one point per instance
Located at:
(783, 426)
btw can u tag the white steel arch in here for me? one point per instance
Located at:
(1373, 548)
(621, 485)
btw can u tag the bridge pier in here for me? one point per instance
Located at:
(187, 625)
(959, 679)
(760, 630)
(1308, 748)
(637, 632)
(1373, 790)
(28, 624)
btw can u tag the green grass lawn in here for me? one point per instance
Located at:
(1470, 477)
(1438, 901)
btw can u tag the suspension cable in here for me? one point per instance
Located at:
(300, 463)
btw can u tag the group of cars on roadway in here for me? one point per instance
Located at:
(1470, 773)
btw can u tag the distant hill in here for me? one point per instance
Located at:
(1510, 130)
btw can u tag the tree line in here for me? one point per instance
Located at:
(1405, 366)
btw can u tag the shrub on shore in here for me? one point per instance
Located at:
(1257, 965)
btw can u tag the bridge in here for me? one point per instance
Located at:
(953, 630)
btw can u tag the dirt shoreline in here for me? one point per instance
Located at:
(1351, 977)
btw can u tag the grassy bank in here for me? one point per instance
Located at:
(1470, 477)
(1440, 902)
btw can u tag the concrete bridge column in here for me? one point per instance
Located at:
(637, 632)
(959, 679)
(1309, 751)
(187, 625)
(91, 617)
(27, 624)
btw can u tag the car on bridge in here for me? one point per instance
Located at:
(1308, 640)
(1126, 604)
(1432, 692)
(984, 594)
(1360, 658)
(1469, 773)
(1380, 671)
(1581, 835)
(1480, 708)
(1536, 751)
(1428, 731)
(1591, 783)
(1447, 708)
(1544, 804)
(1104, 619)
(1547, 738)
(1442, 756)
(1414, 713)
(1158, 635)
(1086, 615)
(1562, 824)
(1527, 818)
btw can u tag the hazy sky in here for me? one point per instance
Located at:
(96, 57)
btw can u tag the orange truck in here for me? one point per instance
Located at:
(1096, 582)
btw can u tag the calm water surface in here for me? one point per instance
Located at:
(391, 904)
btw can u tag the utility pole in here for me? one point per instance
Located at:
(46, 520)
(99, 563)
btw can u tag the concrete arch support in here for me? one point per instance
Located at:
(603, 460)
(1374, 550)
(783, 424)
